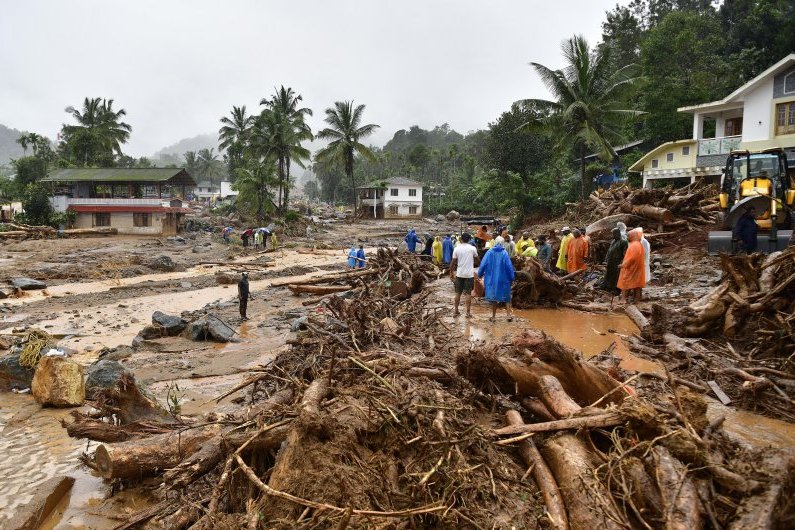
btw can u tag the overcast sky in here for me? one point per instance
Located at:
(178, 66)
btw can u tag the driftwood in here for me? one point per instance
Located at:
(636, 316)
(318, 289)
(326, 278)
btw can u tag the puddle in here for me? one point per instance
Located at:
(752, 429)
(590, 333)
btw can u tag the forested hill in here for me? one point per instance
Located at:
(196, 143)
(9, 148)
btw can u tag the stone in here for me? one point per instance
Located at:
(453, 215)
(27, 284)
(209, 328)
(163, 263)
(186, 285)
(58, 382)
(152, 331)
(439, 218)
(172, 325)
(299, 324)
(226, 278)
(196, 330)
(13, 375)
(104, 373)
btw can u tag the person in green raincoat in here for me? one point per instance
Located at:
(615, 255)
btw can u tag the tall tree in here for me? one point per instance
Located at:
(281, 129)
(344, 132)
(234, 135)
(99, 133)
(191, 163)
(254, 181)
(586, 112)
(208, 164)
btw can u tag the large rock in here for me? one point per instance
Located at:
(226, 278)
(111, 381)
(105, 374)
(453, 215)
(209, 328)
(27, 284)
(12, 374)
(58, 382)
(171, 324)
(163, 263)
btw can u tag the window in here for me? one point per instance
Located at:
(412, 209)
(102, 219)
(686, 150)
(655, 163)
(412, 192)
(101, 191)
(149, 191)
(733, 127)
(393, 210)
(121, 191)
(669, 157)
(142, 219)
(393, 192)
(789, 83)
(785, 118)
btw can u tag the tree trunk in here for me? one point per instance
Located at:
(147, 456)
(583, 192)
(318, 289)
(680, 499)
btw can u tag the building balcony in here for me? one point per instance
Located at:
(718, 146)
(97, 201)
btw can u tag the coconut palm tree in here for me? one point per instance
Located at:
(345, 130)
(587, 110)
(254, 181)
(235, 129)
(191, 163)
(31, 139)
(280, 130)
(208, 164)
(99, 132)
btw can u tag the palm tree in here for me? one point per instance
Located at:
(191, 163)
(208, 164)
(345, 131)
(253, 182)
(280, 130)
(588, 94)
(99, 133)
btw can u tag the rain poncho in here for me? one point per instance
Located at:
(530, 252)
(646, 255)
(352, 257)
(564, 243)
(497, 270)
(362, 261)
(523, 244)
(746, 230)
(615, 254)
(411, 240)
(428, 250)
(575, 254)
(544, 254)
(447, 250)
(436, 248)
(274, 241)
(632, 274)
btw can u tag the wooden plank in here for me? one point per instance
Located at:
(719, 392)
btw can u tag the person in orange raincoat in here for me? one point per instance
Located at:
(576, 253)
(632, 277)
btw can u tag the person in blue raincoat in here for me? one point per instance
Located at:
(352, 255)
(361, 259)
(411, 240)
(447, 250)
(498, 274)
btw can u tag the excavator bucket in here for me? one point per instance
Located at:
(721, 241)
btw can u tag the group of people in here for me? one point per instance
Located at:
(628, 263)
(356, 257)
(258, 237)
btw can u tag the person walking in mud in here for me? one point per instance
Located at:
(462, 272)
(498, 273)
(243, 294)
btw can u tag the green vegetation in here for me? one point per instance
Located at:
(97, 137)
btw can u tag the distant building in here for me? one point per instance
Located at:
(391, 198)
(206, 190)
(134, 201)
(226, 190)
(758, 115)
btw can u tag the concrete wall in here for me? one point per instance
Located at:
(403, 210)
(679, 160)
(123, 222)
(757, 113)
(403, 194)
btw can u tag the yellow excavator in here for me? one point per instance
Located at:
(761, 180)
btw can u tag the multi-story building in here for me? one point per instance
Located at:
(391, 198)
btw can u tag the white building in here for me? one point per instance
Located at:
(391, 198)
(206, 190)
(758, 115)
(226, 190)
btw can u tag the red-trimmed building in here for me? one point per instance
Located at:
(134, 201)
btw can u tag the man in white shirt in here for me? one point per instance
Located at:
(462, 272)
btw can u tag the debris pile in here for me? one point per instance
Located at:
(20, 232)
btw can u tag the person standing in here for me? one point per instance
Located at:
(447, 250)
(498, 273)
(462, 272)
(245, 237)
(243, 293)
(411, 240)
(746, 229)
(544, 253)
(428, 250)
(615, 255)
(632, 277)
(510, 246)
(623, 229)
(646, 255)
(258, 240)
(587, 241)
(523, 242)
(564, 243)
(361, 259)
(274, 241)
(436, 249)
(227, 234)
(575, 253)
(352, 255)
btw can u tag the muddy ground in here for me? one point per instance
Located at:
(102, 291)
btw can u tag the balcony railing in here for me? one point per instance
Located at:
(718, 146)
(116, 202)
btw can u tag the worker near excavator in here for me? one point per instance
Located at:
(576, 252)
(745, 230)
(632, 278)
(564, 243)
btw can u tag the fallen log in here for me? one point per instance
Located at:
(326, 278)
(656, 213)
(98, 231)
(135, 459)
(681, 505)
(608, 419)
(318, 289)
(557, 401)
(556, 511)
(588, 502)
(601, 229)
(636, 316)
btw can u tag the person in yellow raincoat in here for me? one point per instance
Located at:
(274, 241)
(436, 250)
(523, 242)
(564, 244)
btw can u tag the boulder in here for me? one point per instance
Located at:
(453, 215)
(209, 328)
(27, 284)
(163, 263)
(12, 374)
(152, 331)
(105, 374)
(226, 278)
(111, 382)
(439, 218)
(58, 382)
(172, 325)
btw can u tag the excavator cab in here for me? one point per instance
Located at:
(758, 179)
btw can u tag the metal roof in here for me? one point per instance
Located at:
(120, 174)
